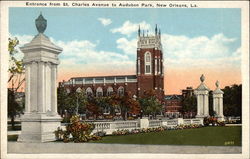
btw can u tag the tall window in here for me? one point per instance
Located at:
(120, 91)
(109, 91)
(147, 63)
(99, 92)
(89, 91)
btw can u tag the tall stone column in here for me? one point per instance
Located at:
(218, 102)
(202, 93)
(40, 119)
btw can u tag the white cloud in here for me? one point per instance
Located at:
(83, 54)
(200, 51)
(105, 21)
(128, 27)
(128, 46)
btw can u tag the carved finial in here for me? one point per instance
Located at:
(217, 83)
(41, 23)
(202, 78)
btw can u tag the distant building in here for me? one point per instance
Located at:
(173, 105)
(188, 92)
(149, 73)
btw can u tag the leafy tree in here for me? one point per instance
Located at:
(129, 105)
(73, 102)
(93, 107)
(15, 81)
(189, 104)
(14, 108)
(150, 104)
(232, 100)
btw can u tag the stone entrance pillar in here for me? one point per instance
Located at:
(40, 119)
(202, 93)
(218, 102)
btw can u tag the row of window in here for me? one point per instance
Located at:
(99, 91)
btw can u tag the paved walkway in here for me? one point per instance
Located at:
(56, 147)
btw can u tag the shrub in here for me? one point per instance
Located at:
(213, 121)
(76, 131)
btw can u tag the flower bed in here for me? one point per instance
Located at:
(158, 129)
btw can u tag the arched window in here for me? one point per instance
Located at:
(89, 91)
(120, 91)
(147, 63)
(110, 91)
(99, 92)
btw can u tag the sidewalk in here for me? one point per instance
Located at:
(56, 147)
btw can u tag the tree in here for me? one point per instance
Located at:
(232, 100)
(150, 104)
(73, 102)
(189, 104)
(14, 108)
(15, 81)
(92, 106)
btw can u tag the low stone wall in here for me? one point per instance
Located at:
(111, 126)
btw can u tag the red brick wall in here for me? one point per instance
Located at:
(150, 81)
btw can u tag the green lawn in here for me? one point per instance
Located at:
(207, 136)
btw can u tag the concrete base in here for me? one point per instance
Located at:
(37, 127)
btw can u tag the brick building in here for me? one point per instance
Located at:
(188, 92)
(173, 105)
(149, 73)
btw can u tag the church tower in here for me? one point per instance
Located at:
(149, 63)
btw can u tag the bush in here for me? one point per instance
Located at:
(213, 121)
(76, 131)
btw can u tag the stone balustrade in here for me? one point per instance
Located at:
(111, 126)
(155, 123)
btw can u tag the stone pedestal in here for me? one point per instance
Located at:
(218, 102)
(202, 93)
(40, 59)
(38, 127)
(144, 123)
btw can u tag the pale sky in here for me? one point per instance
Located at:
(103, 41)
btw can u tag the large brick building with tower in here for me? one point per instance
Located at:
(149, 73)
